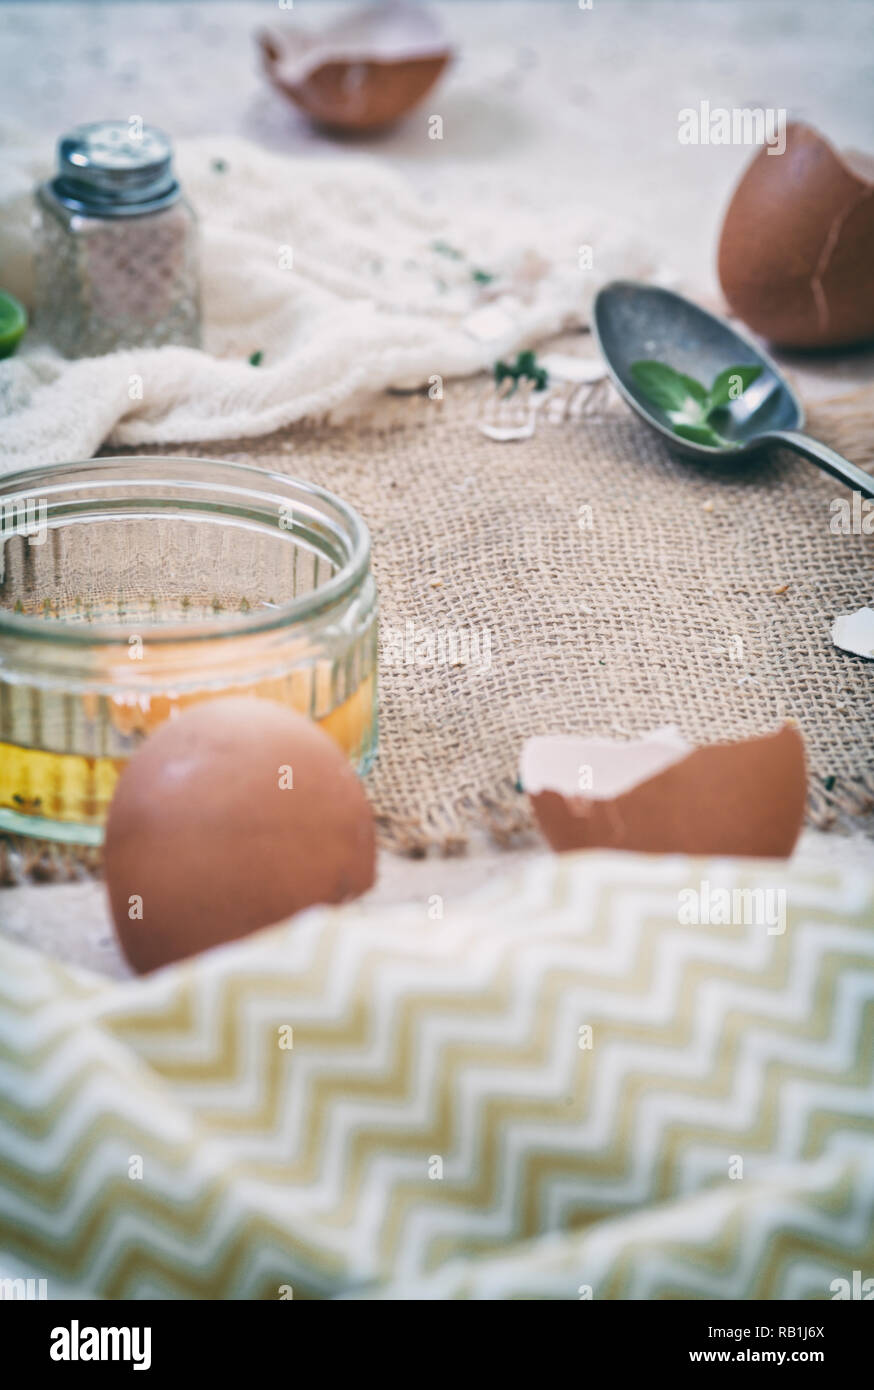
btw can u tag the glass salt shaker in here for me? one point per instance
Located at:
(116, 245)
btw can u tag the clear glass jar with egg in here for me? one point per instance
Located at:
(132, 588)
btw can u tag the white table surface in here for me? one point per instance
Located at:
(542, 93)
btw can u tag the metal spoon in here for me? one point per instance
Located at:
(636, 321)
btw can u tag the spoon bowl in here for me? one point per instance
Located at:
(633, 322)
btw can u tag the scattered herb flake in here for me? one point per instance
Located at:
(256, 358)
(444, 249)
(525, 367)
(481, 277)
(219, 166)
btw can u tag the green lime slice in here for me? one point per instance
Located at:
(13, 323)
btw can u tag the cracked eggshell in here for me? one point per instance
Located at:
(854, 632)
(363, 72)
(658, 795)
(796, 253)
(236, 814)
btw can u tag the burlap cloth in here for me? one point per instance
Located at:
(611, 586)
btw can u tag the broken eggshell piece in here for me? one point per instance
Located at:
(854, 632)
(362, 72)
(659, 795)
(796, 252)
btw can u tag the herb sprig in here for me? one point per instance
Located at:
(526, 365)
(688, 404)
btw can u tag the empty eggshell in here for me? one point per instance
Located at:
(658, 795)
(234, 815)
(362, 72)
(796, 252)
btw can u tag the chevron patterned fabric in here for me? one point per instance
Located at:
(562, 1087)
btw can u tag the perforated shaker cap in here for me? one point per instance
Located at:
(115, 169)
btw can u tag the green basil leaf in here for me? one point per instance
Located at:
(703, 434)
(670, 390)
(727, 382)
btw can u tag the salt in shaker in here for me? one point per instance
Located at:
(116, 244)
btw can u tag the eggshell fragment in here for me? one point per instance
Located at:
(234, 815)
(854, 632)
(362, 72)
(657, 796)
(569, 765)
(796, 252)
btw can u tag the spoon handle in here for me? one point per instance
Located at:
(826, 458)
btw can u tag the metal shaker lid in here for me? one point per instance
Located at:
(115, 169)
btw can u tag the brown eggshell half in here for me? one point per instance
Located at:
(202, 833)
(364, 71)
(364, 96)
(744, 798)
(796, 251)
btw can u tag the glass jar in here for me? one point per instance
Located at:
(131, 588)
(116, 262)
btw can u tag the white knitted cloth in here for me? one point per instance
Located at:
(382, 290)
